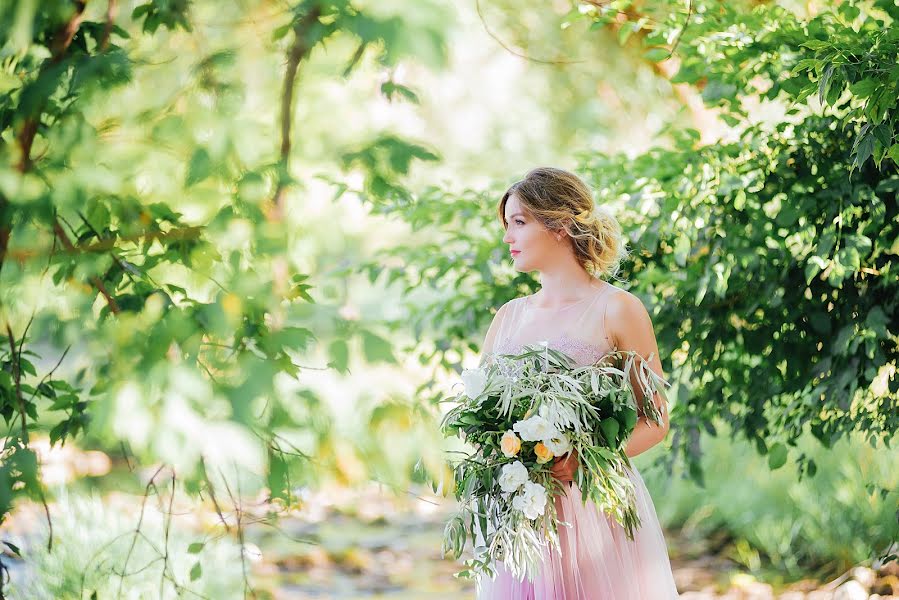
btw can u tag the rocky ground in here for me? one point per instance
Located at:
(373, 549)
(370, 544)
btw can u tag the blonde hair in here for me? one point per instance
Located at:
(563, 202)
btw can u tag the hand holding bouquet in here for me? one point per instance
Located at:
(521, 412)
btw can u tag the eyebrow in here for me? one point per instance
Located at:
(514, 215)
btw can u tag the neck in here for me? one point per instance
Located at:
(565, 282)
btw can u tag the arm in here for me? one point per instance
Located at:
(490, 339)
(630, 328)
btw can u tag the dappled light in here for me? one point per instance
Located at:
(252, 273)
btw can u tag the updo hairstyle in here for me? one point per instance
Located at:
(561, 201)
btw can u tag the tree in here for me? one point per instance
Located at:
(141, 228)
(767, 263)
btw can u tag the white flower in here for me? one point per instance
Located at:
(561, 416)
(558, 445)
(535, 429)
(531, 500)
(513, 476)
(475, 381)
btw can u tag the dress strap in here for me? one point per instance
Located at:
(507, 323)
(605, 330)
(586, 311)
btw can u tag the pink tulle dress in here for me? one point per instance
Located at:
(597, 560)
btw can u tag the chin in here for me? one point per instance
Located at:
(523, 268)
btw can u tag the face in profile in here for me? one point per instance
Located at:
(532, 245)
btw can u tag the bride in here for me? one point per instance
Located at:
(553, 228)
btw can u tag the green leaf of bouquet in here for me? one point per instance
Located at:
(13, 548)
(610, 430)
(630, 419)
(470, 419)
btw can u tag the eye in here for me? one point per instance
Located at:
(519, 222)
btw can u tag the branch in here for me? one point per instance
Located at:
(111, 9)
(61, 234)
(704, 118)
(238, 511)
(126, 267)
(106, 244)
(64, 36)
(298, 50)
(684, 28)
(50, 373)
(49, 520)
(167, 526)
(140, 520)
(519, 54)
(211, 488)
(58, 46)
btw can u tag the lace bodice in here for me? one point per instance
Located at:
(577, 329)
(583, 352)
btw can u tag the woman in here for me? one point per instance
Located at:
(553, 228)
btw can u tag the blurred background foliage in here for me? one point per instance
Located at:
(254, 242)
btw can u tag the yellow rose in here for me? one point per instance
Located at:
(510, 444)
(544, 454)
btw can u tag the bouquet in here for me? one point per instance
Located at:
(521, 411)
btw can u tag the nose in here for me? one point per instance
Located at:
(507, 238)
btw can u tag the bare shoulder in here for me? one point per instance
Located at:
(503, 310)
(506, 307)
(621, 301)
(626, 315)
(496, 325)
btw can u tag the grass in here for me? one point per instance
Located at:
(774, 524)
(92, 538)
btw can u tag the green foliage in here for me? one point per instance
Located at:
(768, 263)
(772, 258)
(149, 222)
(166, 13)
(845, 57)
(19, 405)
(779, 524)
(383, 161)
(142, 227)
(774, 279)
(453, 250)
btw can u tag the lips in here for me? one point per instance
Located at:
(515, 252)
